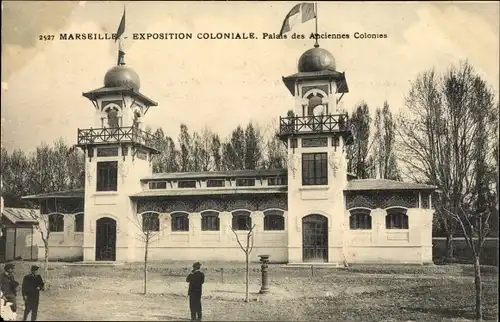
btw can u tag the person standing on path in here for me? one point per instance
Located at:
(9, 286)
(195, 280)
(32, 285)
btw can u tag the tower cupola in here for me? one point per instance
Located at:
(316, 60)
(122, 75)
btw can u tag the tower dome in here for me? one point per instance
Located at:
(316, 59)
(122, 76)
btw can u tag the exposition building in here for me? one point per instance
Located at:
(313, 212)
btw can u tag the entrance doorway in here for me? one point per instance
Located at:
(315, 238)
(105, 245)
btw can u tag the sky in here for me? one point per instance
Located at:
(223, 83)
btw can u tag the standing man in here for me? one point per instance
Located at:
(195, 280)
(9, 286)
(32, 285)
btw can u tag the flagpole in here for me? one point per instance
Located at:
(121, 52)
(316, 14)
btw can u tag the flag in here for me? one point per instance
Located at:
(121, 27)
(300, 13)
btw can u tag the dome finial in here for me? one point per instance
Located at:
(316, 45)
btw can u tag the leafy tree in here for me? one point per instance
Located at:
(358, 152)
(384, 138)
(253, 147)
(185, 147)
(216, 152)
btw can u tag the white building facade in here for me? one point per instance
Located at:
(315, 211)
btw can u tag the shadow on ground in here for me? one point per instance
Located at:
(465, 312)
(169, 318)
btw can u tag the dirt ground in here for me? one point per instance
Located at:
(359, 293)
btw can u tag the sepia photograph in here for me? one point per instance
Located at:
(249, 161)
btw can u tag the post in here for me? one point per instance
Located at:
(264, 259)
(316, 45)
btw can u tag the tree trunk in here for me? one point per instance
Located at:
(246, 277)
(146, 268)
(479, 288)
(46, 268)
(449, 246)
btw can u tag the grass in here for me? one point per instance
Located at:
(357, 293)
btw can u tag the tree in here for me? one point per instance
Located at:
(237, 142)
(253, 147)
(148, 230)
(247, 249)
(186, 147)
(384, 138)
(196, 154)
(358, 152)
(437, 137)
(43, 228)
(228, 157)
(15, 181)
(276, 154)
(160, 143)
(206, 157)
(216, 151)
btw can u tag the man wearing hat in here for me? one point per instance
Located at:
(195, 280)
(9, 286)
(32, 285)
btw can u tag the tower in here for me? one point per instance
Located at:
(316, 134)
(117, 156)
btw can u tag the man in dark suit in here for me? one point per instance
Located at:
(9, 286)
(32, 285)
(195, 280)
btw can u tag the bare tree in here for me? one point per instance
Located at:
(148, 231)
(475, 227)
(43, 227)
(247, 249)
(437, 133)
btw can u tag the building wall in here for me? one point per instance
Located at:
(326, 200)
(65, 245)
(196, 244)
(113, 204)
(21, 243)
(377, 245)
(382, 245)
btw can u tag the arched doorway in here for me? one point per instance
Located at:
(315, 238)
(105, 245)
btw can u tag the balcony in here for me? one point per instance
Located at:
(129, 134)
(331, 123)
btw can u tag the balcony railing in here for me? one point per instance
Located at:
(114, 135)
(331, 123)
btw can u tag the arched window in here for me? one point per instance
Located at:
(113, 120)
(241, 220)
(79, 223)
(56, 223)
(150, 222)
(210, 221)
(180, 222)
(396, 218)
(360, 219)
(274, 220)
